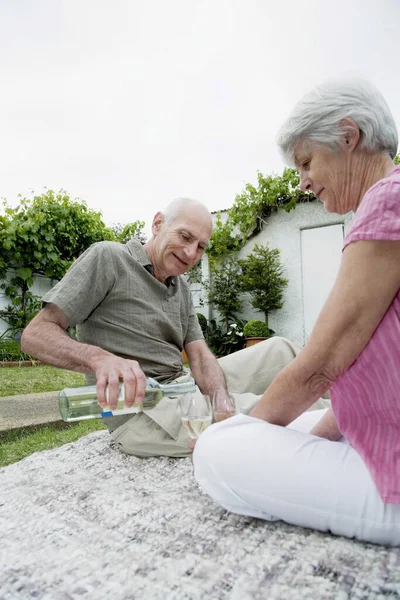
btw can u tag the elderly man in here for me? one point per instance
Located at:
(133, 315)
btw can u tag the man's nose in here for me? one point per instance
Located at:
(191, 250)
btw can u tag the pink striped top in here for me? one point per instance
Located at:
(366, 397)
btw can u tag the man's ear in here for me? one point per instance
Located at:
(351, 134)
(157, 223)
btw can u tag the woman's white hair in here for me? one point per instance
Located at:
(176, 206)
(317, 118)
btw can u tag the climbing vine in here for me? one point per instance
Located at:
(252, 208)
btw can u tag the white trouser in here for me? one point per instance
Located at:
(251, 467)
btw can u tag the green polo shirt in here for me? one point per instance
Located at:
(115, 302)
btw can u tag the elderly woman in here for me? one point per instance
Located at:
(342, 473)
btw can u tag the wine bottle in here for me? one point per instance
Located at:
(79, 403)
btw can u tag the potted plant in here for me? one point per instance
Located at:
(255, 331)
(263, 279)
(224, 290)
(202, 322)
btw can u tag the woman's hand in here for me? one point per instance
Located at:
(327, 427)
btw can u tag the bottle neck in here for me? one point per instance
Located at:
(173, 389)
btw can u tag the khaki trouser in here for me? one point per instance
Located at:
(159, 432)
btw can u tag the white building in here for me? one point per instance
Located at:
(310, 241)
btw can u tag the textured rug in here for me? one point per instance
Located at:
(86, 522)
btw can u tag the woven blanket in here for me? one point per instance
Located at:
(84, 521)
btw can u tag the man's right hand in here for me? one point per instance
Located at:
(110, 371)
(46, 338)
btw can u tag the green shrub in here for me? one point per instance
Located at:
(263, 279)
(202, 323)
(224, 290)
(11, 351)
(256, 328)
(222, 343)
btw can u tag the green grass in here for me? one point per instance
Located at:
(17, 444)
(27, 380)
(11, 350)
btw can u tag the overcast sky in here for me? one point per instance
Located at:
(131, 103)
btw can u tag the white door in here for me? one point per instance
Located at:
(321, 252)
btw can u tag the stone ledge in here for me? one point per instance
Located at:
(20, 363)
(23, 410)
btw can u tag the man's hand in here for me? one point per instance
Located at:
(47, 339)
(109, 371)
(205, 369)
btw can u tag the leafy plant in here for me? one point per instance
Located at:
(224, 290)
(251, 208)
(202, 323)
(194, 275)
(214, 337)
(255, 328)
(10, 350)
(43, 235)
(263, 279)
(235, 339)
(24, 306)
(123, 233)
(222, 342)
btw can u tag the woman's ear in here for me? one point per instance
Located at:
(351, 134)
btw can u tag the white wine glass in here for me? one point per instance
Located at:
(196, 413)
(224, 405)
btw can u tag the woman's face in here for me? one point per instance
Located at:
(329, 175)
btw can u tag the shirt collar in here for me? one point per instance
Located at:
(136, 249)
(139, 253)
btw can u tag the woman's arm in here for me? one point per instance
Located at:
(368, 280)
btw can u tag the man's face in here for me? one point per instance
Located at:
(181, 243)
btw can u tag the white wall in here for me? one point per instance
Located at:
(40, 286)
(199, 295)
(321, 254)
(283, 231)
